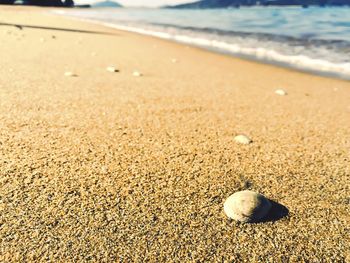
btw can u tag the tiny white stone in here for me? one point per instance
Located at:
(242, 139)
(93, 54)
(174, 60)
(112, 69)
(247, 206)
(104, 169)
(281, 92)
(137, 74)
(69, 74)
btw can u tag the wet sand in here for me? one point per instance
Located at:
(109, 167)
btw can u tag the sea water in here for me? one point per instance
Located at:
(313, 39)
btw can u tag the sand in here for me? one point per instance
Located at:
(111, 168)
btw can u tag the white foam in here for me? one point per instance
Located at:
(299, 61)
(267, 54)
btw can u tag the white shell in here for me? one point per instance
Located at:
(69, 74)
(242, 139)
(247, 206)
(137, 74)
(112, 69)
(281, 92)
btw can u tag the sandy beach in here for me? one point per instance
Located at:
(105, 166)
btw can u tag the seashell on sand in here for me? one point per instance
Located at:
(247, 206)
(70, 74)
(281, 92)
(137, 74)
(112, 69)
(242, 139)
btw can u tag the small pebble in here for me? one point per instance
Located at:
(242, 139)
(112, 69)
(70, 74)
(137, 74)
(104, 169)
(281, 92)
(247, 206)
(42, 40)
(174, 60)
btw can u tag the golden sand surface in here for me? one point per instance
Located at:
(109, 167)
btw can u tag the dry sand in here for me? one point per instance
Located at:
(108, 167)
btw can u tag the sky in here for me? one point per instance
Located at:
(148, 3)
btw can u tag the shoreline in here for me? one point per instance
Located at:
(100, 164)
(284, 60)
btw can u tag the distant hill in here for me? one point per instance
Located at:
(59, 3)
(236, 3)
(208, 4)
(106, 4)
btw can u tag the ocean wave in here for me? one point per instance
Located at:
(302, 62)
(322, 56)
